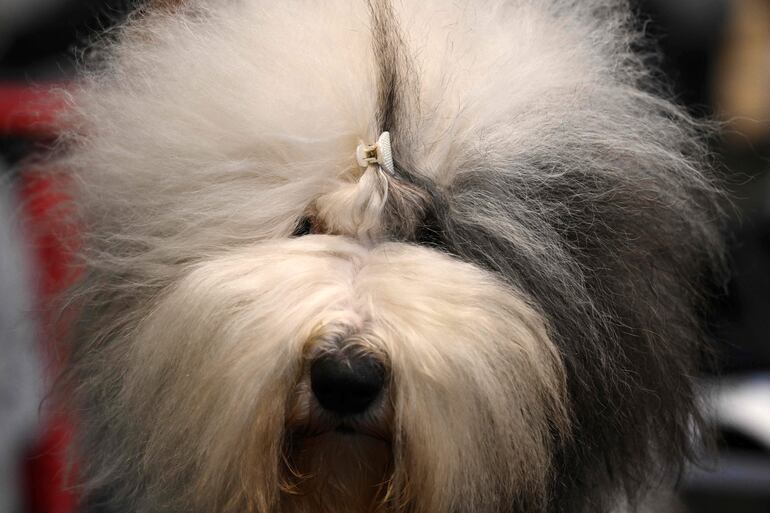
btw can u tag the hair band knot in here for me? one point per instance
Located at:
(378, 153)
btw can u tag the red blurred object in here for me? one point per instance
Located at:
(28, 113)
(46, 466)
(45, 472)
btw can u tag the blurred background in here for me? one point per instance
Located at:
(715, 54)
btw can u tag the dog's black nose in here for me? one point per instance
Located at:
(346, 384)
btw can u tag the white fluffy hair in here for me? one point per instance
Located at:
(527, 276)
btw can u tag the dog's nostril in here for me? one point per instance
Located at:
(346, 384)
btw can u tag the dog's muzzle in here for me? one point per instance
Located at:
(346, 384)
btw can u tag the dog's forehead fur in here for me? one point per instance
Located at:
(526, 143)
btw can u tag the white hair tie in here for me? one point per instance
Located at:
(377, 154)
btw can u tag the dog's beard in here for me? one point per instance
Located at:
(216, 384)
(331, 462)
(337, 472)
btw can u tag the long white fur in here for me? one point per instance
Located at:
(475, 380)
(255, 109)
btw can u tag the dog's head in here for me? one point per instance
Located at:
(504, 319)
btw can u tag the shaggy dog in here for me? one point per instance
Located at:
(273, 317)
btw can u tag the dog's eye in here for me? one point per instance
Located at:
(305, 226)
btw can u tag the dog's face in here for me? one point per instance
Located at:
(343, 374)
(502, 322)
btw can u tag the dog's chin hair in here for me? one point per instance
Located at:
(475, 382)
(337, 473)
